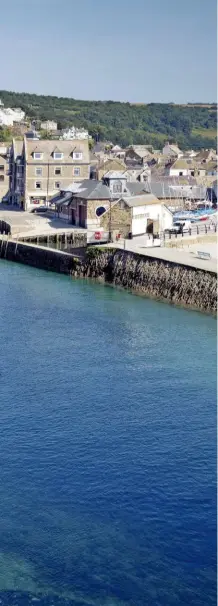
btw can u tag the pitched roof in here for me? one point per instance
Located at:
(115, 174)
(116, 148)
(48, 146)
(91, 189)
(175, 189)
(175, 148)
(180, 164)
(109, 161)
(140, 150)
(141, 200)
(204, 154)
(135, 188)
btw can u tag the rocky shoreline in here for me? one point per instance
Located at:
(163, 280)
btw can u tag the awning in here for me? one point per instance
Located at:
(64, 200)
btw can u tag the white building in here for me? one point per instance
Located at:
(149, 214)
(10, 115)
(5, 120)
(49, 125)
(75, 133)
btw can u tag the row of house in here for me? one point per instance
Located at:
(32, 170)
(171, 161)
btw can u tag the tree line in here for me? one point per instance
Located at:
(123, 123)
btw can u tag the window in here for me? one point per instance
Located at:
(38, 172)
(117, 187)
(57, 171)
(192, 173)
(77, 155)
(38, 184)
(180, 174)
(76, 172)
(58, 155)
(57, 185)
(2, 178)
(2, 167)
(100, 210)
(37, 155)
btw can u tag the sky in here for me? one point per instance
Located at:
(140, 51)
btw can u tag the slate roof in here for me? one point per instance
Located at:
(141, 200)
(135, 188)
(49, 146)
(91, 189)
(164, 190)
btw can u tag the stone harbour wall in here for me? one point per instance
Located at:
(177, 284)
(36, 256)
(159, 279)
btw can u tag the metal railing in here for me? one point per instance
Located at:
(195, 230)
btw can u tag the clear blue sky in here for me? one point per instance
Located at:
(138, 51)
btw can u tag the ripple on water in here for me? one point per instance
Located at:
(107, 447)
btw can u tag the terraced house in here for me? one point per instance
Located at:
(47, 166)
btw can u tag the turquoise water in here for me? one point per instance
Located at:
(107, 446)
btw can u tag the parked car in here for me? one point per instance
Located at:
(39, 209)
(179, 227)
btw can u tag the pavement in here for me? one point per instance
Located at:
(182, 256)
(31, 224)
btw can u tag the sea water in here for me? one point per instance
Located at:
(107, 446)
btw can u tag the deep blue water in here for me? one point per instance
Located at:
(107, 446)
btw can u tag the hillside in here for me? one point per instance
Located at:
(124, 123)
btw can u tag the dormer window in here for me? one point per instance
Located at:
(37, 155)
(58, 156)
(77, 155)
(117, 187)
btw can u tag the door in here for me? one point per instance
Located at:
(82, 216)
(73, 216)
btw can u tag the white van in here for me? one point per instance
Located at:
(180, 227)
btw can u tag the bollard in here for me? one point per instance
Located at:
(197, 230)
